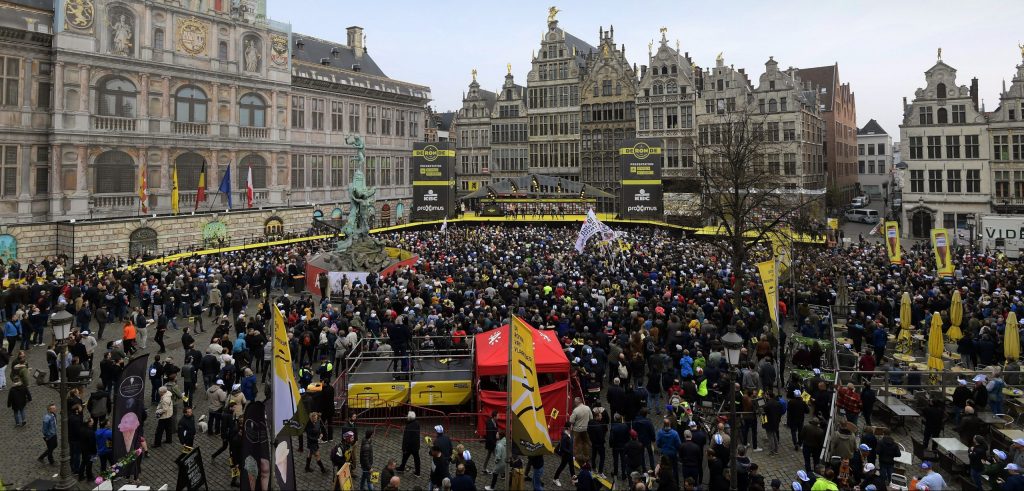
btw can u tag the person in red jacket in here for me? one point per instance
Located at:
(866, 364)
(849, 401)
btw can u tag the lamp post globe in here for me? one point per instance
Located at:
(733, 345)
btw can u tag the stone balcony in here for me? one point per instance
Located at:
(114, 124)
(190, 129)
(253, 133)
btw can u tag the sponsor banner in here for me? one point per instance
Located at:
(529, 428)
(892, 242)
(433, 161)
(377, 394)
(642, 202)
(431, 202)
(943, 252)
(640, 162)
(129, 405)
(288, 416)
(255, 465)
(441, 393)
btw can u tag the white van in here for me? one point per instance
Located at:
(863, 215)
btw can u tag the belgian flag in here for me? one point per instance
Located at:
(201, 191)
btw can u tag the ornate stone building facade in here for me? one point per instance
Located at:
(607, 114)
(875, 161)
(944, 139)
(669, 89)
(509, 134)
(553, 87)
(165, 87)
(1006, 130)
(473, 141)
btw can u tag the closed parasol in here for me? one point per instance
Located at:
(935, 346)
(903, 343)
(956, 315)
(1011, 339)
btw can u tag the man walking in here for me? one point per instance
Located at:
(49, 433)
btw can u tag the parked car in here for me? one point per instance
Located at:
(862, 215)
(859, 202)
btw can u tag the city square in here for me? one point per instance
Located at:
(243, 246)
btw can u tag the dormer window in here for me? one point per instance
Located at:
(940, 91)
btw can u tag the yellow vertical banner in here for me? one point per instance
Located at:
(769, 279)
(175, 198)
(892, 242)
(289, 415)
(782, 246)
(943, 254)
(528, 424)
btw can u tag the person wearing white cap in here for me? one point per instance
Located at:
(443, 442)
(1015, 481)
(870, 477)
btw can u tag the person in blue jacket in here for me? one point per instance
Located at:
(668, 443)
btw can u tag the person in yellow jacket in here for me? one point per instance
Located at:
(825, 483)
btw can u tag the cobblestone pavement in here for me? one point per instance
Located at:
(18, 465)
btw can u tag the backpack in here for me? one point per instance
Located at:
(306, 341)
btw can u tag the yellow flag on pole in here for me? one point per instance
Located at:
(528, 424)
(892, 242)
(174, 190)
(289, 416)
(769, 279)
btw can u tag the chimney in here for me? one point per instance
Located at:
(643, 70)
(355, 40)
(974, 92)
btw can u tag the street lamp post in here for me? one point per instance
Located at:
(60, 324)
(970, 230)
(733, 345)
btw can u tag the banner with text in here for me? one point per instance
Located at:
(770, 281)
(943, 254)
(642, 192)
(529, 429)
(433, 181)
(892, 242)
(129, 406)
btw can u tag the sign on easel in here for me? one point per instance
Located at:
(191, 473)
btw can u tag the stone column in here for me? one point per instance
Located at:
(25, 193)
(272, 169)
(83, 82)
(81, 176)
(58, 87)
(272, 120)
(56, 171)
(143, 101)
(234, 106)
(28, 84)
(215, 104)
(165, 103)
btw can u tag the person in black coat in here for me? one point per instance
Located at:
(440, 468)
(411, 443)
(187, 428)
(325, 403)
(796, 410)
(564, 451)
(933, 416)
(597, 430)
(868, 397)
(619, 435)
(490, 437)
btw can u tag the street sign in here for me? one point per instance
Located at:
(191, 474)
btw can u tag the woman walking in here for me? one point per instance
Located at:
(17, 399)
(314, 431)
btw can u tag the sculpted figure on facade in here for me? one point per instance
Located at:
(252, 55)
(121, 35)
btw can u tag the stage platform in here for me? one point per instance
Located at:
(434, 380)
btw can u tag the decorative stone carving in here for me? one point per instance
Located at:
(253, 54)
(79, 14)
(192, 36)
(122, 33)
(279, 49)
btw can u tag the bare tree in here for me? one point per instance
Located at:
(745, 189)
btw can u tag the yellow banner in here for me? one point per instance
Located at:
(441, 393)
(782, 246)
(769, 278)
(529, 428)
(377, 394)
(288, 413)
(943, 254)
(892, 242)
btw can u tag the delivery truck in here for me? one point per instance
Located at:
(1004, 233)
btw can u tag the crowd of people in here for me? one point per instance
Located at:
(642, 329)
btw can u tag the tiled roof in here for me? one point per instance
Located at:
(872, 128)
(337, 54)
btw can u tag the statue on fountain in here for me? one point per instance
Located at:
(356, 250)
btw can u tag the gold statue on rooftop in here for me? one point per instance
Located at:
(552, 12)
(474, 74)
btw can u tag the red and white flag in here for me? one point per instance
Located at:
(248, 188)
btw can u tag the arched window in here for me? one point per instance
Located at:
(222, 51)
(115, 173)
(259, 172)
(943, 116)
(142, 241)
(773, 106)
(117, 97)
(273, 227)
(659, 89)
(672, 88)
(190, 165)
(940, 91)
(385, 215)
(674, 69)
(664, 70)
(190, 105)
(252, 111)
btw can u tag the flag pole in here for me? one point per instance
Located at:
(508, 410)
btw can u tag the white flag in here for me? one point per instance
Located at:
(444, 226)
(590, 227)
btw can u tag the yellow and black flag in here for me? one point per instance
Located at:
(529, 429)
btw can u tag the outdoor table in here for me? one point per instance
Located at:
(1008, 435)
(844, 341)
(952, 448)
(951, 356)
(904, 357)
(899, 410)
(990, 419)
(898, 391)
(1012, 392)
(921, 367)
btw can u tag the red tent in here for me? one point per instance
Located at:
(552, 374)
